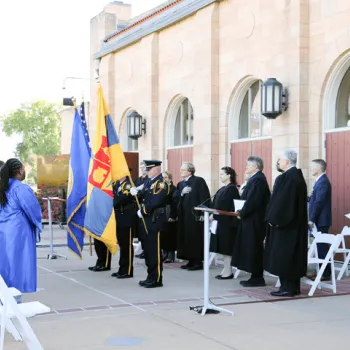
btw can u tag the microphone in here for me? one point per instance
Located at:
(202, 204)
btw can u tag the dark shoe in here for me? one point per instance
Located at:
(152, 284)
(142, 283)
(91, 268)
(253, 282)
(195, 267)
(186, 266)
(114, 274)
(120, 276)
(219, 277)
(100, 268)
(281, 293)
(170, 258)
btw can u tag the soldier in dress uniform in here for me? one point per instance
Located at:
(139, 231)
(154, 197)
(125, 213)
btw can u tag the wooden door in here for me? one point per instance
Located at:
(177, 156)
(240, 151)
(132, 158)
(338, 171)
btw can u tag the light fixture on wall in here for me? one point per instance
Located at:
(135, 125)
(274, 99)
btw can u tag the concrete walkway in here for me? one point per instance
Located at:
(92, 310)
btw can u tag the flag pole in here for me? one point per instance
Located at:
(138, 203)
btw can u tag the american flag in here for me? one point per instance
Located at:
(83, 122)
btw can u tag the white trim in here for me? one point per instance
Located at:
(182, 146)
(330, 94)
(333, 131)
(171, 120)
(260, 138)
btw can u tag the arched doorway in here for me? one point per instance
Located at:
(336, 125)
(179, 138)
(129, 146)
(249, 131)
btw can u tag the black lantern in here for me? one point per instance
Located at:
(135, 125)
(273, 99)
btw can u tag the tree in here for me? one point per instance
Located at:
(39, 124)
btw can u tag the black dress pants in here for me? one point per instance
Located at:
(322, 250)
(104, 256)
(124, 236)
(152, 251)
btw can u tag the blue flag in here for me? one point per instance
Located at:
(78, 177)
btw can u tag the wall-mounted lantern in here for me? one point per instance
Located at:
(135, 125)
(274, 99)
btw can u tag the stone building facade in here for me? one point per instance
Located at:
(192, 69)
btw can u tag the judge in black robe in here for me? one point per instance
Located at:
(222, 242)
(287, 235)
(193, 191)
(248, 254)
(168, 233)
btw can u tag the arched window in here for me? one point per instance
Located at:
(128, 144)
(184, 124)
(251, 122)
(342, 115)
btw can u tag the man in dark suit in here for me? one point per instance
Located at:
(320, 207)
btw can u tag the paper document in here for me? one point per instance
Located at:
(238, 204)
(213, 227)
(347, 215)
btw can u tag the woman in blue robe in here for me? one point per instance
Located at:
(20, 224)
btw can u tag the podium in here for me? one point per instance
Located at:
(52, 254)
(208, 306)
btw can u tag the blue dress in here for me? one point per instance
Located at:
(20, 222)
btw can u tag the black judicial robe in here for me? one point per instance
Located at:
(223, 241)
(287, 240)
(190, 230)
(248, 252)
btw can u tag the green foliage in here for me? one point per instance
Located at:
(39, 124)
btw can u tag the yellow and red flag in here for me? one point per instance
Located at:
(107, 165)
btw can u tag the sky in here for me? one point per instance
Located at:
(42, 43)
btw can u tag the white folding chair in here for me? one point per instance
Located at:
(9, 309)
(346, 254)
(313, 258)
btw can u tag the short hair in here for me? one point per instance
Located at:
(190, 167)
(169, 174)
(257, 161)
(291, 155)
(321, 163)
(233, 175)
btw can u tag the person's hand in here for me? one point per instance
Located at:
(133, 191)
(139, 214)
(211, 217)
(186, 190)
(311, 225)
(201, 219)
(171, 220)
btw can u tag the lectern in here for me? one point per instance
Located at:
(208, 306)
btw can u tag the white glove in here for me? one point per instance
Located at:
(186, 190)
(133, 191)
(139, 214)
(139, 188)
